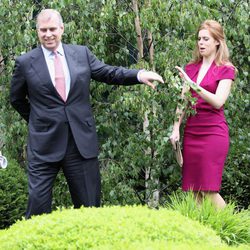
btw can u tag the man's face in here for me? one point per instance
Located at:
(49, 31)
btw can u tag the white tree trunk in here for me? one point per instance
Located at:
(152, 195)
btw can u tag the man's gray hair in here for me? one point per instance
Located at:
(49, 13)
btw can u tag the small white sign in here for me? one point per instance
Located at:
(3, 161)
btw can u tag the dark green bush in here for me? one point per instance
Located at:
(13, 194)
(61, 195)
(111, 228)
(236, 178)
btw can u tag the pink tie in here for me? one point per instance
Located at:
(59, 76)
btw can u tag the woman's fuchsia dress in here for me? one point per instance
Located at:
(206, 136)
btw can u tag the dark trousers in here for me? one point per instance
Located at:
(82, 175)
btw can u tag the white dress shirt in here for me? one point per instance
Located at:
(49, 58)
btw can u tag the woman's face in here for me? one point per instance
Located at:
(207, 45)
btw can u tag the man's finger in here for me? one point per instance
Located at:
(150, 84)
(150, 76)
(157, 77)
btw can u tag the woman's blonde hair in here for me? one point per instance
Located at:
(216, 31)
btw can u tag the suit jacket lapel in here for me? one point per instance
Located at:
(39, 64)
(71, 58)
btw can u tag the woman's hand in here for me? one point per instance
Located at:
(175, 136)
(184, 76)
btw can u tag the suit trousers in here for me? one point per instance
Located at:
(82, 175)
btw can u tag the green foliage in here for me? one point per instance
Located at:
(13, 194)
(127, 152)
(111, 228)
(17, 37)
(236, 180)
(232, 226)
(61, 195)
(124, 143)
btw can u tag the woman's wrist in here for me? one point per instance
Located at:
(194, 86)
(176, 127)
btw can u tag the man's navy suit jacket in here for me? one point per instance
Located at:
(34, 96)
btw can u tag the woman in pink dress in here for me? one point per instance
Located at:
(209, 77)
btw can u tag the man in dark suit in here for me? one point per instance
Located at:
(53, 97)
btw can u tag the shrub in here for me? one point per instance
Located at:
(13, 194)
(110, 228)
(232, 226)
(109, 31)
(236, 177)
(61, 194)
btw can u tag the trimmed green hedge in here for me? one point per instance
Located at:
(107, 27)
(111, 228)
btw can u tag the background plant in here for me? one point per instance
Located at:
(108, 29)
(231, 225)
(130, 227)
(13, 194)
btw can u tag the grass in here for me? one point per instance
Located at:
(231, 225)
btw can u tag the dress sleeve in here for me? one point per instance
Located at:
(226, 72)
(190, 69)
